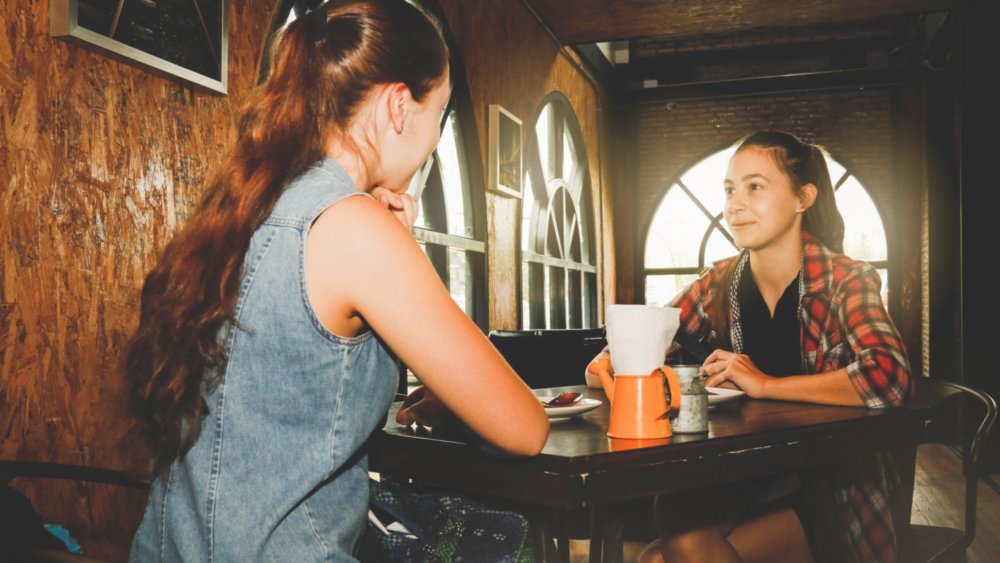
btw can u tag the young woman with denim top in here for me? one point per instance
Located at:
(265, 355)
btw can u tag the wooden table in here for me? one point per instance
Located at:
(581, 467)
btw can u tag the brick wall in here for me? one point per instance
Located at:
(854, 125)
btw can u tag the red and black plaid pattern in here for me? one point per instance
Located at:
(844, 325)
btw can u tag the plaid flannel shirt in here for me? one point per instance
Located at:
(844, 324)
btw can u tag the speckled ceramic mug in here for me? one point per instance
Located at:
(692, 417)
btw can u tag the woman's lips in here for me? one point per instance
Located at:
(737, 226)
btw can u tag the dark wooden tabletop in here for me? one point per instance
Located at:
(580, 466)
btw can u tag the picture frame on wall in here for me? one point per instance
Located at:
(185, 39)
(504, 146)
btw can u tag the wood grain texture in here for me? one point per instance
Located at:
(511, 60)
(939, 497)
(100, 162)
(586, 21)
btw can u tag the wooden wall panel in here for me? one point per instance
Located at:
(511, 60)
(99, 162)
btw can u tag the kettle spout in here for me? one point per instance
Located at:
(601, 367)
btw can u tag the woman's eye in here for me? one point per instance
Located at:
(754, 186)
(729, 190)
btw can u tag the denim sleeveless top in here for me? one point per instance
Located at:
(279, 471)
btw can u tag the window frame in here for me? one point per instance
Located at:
(572, 305)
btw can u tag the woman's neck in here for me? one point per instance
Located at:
(346, 153)
(775, 266)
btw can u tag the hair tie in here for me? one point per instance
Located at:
(316, 24)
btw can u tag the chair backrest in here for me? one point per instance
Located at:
(952, 413)
(34, 544)
(549, 358)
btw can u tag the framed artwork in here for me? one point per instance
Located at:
(505, 152)
(186, 39)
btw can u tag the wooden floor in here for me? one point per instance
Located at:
(938, 500)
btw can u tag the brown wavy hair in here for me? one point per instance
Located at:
(803, 163)
(323, 66)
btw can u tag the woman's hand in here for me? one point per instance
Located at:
(723, 366)
(423, 407)
(402, 206)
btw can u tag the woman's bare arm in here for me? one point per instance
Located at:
(383, 278)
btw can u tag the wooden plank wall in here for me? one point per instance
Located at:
(99, 163)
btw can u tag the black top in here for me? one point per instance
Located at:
(773, 343)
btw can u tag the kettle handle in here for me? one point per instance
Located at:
(673, 385)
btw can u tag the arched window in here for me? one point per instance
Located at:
(558, 260)
(688, 232)
(450, 226)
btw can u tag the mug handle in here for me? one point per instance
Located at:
(673, 385)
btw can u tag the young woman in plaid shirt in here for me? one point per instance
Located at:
(790, 318)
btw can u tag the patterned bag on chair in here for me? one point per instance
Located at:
(408, 523)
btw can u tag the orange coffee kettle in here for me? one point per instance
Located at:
(639, 408)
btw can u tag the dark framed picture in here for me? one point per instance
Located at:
(505, 152)
(186, 39)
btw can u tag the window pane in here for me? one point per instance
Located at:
(528, 205)
(675, 235)
(569, 166)
(454, 181)
(590, 300)
(836, 170)
(884, 274)
(661, 289)
(555, 279)
(864, 237)
(718, 247)
(574, 298)
(542, 137)
(534, 300)
(525, 296)
(548, 298)
(421, 220)
(706, 180)
(458, 277)
(574, 242)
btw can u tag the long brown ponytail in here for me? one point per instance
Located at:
(323, 65)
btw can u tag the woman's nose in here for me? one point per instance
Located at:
(735, 203)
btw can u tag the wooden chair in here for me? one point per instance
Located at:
(549, 358)
(10, 470)
(941, 406)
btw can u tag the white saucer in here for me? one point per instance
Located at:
(718, 395)
(571, 410)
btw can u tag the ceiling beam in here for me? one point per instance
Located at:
(741, 87)
(589, 21)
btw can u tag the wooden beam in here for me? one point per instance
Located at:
(588, 21)
(803, 82)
